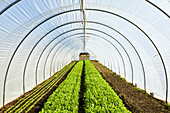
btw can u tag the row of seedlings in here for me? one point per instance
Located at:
(99, 95)
(66, 97)
(27, 102)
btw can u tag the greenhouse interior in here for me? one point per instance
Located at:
(85, 56)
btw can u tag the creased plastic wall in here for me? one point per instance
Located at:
(37, 38)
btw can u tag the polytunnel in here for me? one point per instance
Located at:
(40, 37)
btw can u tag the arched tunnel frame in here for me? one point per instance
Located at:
(164, 67)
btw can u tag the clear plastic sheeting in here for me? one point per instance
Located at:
(6, 4)
(39, 37)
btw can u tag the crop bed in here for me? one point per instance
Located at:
(33, 100)
(85, 87)
(66, 97)
(99, 96)
(136, 100)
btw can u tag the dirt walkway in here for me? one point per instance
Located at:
(134, 100)
(53, 81)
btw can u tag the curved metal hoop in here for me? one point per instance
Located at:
(158, 8)
(94, 23)
(61, 50)
(92, 10)
(9, 6)
(161, 58)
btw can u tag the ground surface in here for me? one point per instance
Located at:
(40, 103)
(133, 99)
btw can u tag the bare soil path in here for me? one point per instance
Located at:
(47, 89)
(133, 99)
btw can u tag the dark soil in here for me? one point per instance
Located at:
(39, 105)
(82, 90)
(135, 100)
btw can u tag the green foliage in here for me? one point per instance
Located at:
(168, 105)
(66, 97)
(95, 60)
(140, 90)
(39, 92)
(123, 79)
(114, 73)
(99, 96)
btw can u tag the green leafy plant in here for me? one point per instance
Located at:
(123, 79)
(66, 97)
(140, 90)
(37, 93)
(99, 96)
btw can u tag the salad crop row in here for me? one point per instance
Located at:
(28, 101)
(66, 97)
(99, 96)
